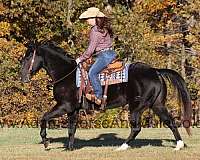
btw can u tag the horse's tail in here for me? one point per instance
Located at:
(183, 95)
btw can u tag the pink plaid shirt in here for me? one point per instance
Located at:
(97, 42)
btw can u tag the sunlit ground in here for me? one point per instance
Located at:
(97, 144)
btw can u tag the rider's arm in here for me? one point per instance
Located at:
(93, 41)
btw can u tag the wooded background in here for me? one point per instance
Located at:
(162, 33)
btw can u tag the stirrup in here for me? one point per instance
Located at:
(93, 98)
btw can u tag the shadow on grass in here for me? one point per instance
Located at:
(109, 139)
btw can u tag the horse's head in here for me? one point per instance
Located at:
(31, 63)
(49, 56)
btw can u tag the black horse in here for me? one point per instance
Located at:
(145, 88)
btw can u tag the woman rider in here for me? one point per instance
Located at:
(100, 44)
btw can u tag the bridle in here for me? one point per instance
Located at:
(54, 82)
(32, 61)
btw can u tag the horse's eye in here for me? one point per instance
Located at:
(28, 57)
(20, 59)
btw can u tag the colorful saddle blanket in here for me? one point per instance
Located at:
(114, 78)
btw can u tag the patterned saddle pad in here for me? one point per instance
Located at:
(115, 77)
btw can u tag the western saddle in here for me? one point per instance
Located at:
(85, 85)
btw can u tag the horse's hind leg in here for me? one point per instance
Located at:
(168, 120)
(57, 111)
(135, 121)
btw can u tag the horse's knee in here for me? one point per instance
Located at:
(137, 129)
(44, 118)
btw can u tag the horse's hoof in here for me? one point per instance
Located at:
(70, 148)
(46, 143)
(123, 147)
(180, 144)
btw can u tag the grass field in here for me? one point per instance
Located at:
(97, 144)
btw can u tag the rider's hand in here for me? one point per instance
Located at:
(78, 60)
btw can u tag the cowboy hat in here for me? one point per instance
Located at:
(91, 12)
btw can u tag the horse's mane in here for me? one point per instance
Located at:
(56, 50)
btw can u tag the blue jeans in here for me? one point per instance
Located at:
(102, 60)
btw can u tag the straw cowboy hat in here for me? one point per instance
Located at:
(91, 12)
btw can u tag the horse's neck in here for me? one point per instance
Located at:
(58, 68)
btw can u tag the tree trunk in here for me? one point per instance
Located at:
(69, 12)
(183, 57)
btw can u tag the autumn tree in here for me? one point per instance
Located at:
(164, 34)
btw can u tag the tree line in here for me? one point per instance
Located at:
(164, 34)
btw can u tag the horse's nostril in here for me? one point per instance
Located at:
(25, 79)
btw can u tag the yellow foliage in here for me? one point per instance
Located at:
(154, 5)
(161, 39)
(30, 117)
(4, 29)
(191, 38)
(2, 9)
(13, 48)
(158, 39)
(197, 48)
(20, 101)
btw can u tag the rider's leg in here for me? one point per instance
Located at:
(102, 60)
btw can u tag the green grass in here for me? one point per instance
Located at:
(97, 144)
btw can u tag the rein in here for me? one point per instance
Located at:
(54, 82)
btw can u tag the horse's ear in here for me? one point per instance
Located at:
(32, 44)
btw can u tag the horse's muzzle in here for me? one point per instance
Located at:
(24, 79)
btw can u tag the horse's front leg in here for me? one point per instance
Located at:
(43, 132)
(56, 111)
(73, 118)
